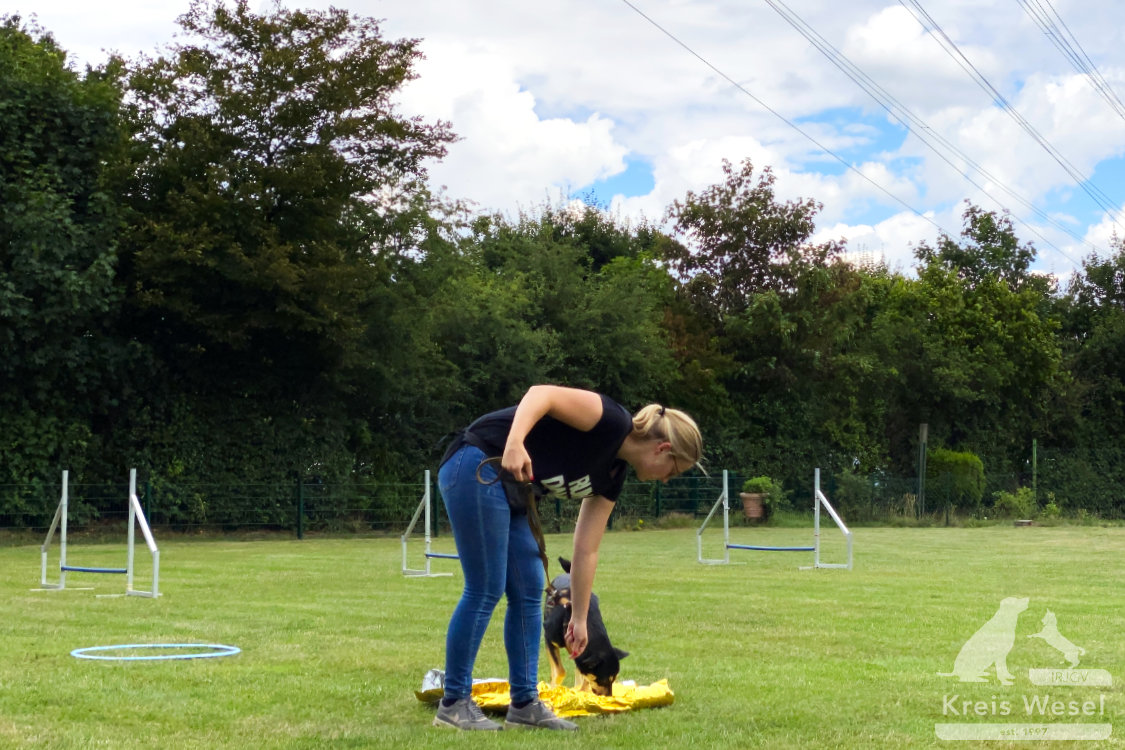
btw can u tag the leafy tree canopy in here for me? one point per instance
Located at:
(275, 189)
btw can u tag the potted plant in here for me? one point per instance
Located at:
(757, 494)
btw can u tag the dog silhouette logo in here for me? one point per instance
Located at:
(990, 645)
(1056, 640)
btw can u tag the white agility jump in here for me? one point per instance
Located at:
(424, 507)
(136, 517)
(819, 501)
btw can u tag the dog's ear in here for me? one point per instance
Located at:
(620, 654)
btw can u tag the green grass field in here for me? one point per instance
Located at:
(335, 641)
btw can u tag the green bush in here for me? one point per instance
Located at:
(1051, 511)
(955, 480)
(852, 491)
(1018, 504)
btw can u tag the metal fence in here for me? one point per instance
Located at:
(308, 507)
(386, 507)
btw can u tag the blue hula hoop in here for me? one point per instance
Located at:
(217, 649)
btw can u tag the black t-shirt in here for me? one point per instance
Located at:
(566, 462)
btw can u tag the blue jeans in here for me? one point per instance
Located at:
(499, 555)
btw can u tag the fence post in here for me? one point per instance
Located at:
(657, 500)
(300, 508)
(1035, 470)
(923, 437)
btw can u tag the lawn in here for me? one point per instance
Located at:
(760, 654)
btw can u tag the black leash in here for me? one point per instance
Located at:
(530, 500)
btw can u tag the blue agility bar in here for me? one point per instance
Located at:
(80, 569)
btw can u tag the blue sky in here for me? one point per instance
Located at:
(563, 99)
(635, 180)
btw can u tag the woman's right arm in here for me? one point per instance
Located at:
(588, 532)
(578, 408)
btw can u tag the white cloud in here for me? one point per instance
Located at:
(551, 97)
(891, 241)
(507, 156)
(1107, 234)
(89, 31)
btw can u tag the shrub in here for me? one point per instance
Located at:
(955, 479)
(1018, 504)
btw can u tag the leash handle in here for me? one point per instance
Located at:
(533, 520)
(499, 468)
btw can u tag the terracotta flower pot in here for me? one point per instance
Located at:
(752, 506)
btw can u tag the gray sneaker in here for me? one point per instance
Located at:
(463, 714)
(536, 715)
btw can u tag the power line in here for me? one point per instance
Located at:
(929, 137)
(934, 29)
(1055, 29)
(782, 117)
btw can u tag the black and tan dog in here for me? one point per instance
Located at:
(599, 664)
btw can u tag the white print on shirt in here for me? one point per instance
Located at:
(579, 488)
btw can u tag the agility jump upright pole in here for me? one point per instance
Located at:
(136, 515)
(816, 518)
(60, 513)
(725, 560)
(821, 500)
(423, 507)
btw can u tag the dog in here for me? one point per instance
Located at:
(989, 646)
(597, 667)
(1050, 633)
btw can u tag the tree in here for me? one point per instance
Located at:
(542, 301)
(59, 130)
(990, 249)
(741, 241)
(789, 320)
(973, 343)
(1085, 443)
(274, 189)
(275, 199)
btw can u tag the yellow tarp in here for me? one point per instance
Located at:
(566, 701)
(492, 695)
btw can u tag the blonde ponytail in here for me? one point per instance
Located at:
(661, 423)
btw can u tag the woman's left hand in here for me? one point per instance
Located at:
(576, 639)
(517, 462)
